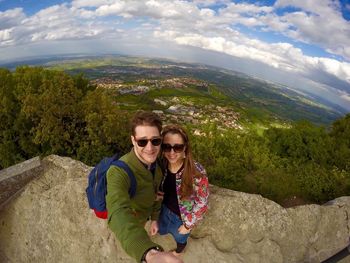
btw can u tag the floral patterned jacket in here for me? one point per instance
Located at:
(193, 208)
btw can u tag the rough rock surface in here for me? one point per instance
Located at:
(14, 178)
(50, 222)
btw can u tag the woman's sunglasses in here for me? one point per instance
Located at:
(144, 142)
(166, 147)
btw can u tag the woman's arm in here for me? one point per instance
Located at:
(199, 198)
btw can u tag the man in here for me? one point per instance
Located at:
(127, 217)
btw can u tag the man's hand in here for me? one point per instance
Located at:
(155, 256)
(154, 228)
(183, 230)
(160, 196)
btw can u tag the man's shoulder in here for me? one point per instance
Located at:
(119, 175)
(129, 158)
(125, 158)
(113, 170)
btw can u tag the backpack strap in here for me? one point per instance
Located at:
(126, 168)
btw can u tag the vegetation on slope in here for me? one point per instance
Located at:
(268, 101)
(50, 112)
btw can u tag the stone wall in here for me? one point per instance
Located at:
(50, 222)
(14, 178)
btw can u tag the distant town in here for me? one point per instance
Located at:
(176, 109)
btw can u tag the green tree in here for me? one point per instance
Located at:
(302, 143)
(316, 183)
(9, 109)
(232, 158)
(340, 134)
(106, 129)
(82, 83)
(52, 108)
(28, 80)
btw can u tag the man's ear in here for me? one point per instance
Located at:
(132, 140)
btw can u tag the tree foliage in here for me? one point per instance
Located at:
(50, 112)
(106, 129)
(302, 143)
(303, 161)
(9, 108)
(340, 135)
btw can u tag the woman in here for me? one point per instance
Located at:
(185, 187)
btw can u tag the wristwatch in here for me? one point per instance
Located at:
(143, 259)
(186, 227)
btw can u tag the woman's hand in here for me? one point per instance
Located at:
(154, 228)
(183, 230)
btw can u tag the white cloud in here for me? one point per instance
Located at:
(323, 7)
(115, 9)
(346, 97)
(11, 18)
(58, 22)
(334, 67)
(152, 8)
(193, 23)
(282, 56)
(91, 3)
(199, 27)
(210, 2)
(320, 24)
(5, 36)
(312, 23)
(246, 9)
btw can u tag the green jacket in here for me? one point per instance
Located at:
(127, 217)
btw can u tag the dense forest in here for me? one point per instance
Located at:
(46, 112)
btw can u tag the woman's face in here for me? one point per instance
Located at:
(171, 141)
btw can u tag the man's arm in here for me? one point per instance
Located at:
(156, 209)
(158, 202)
(121, 218)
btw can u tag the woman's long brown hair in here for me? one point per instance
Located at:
(190, 170)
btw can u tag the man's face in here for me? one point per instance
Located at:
(147, 153)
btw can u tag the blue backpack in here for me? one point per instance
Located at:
(97, 186)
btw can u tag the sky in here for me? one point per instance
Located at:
(304, 44)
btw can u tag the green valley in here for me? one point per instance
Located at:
(254, 99)
(250, 135)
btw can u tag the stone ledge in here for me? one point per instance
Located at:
(14, 178)
(19, 168)
(51, 222)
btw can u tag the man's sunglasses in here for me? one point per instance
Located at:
(144, 142)
(166, 147)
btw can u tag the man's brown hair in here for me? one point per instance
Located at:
(146, 118)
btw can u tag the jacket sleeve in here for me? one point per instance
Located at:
(156, 210)
(157, 204)
(200, 201)
(121, 217)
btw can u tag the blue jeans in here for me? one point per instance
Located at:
(169, 223)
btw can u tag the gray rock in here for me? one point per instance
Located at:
(14, 179)
(50, 222)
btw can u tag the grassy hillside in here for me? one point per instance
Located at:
(242, 147)
(256, 100)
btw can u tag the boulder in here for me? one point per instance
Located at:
(49, 221)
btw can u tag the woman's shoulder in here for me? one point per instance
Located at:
(200, 168)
